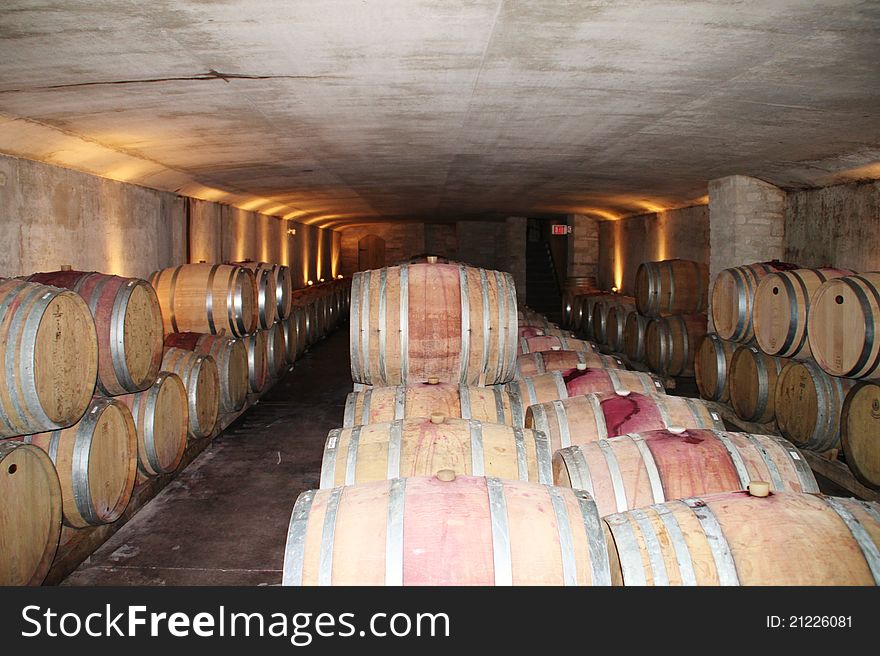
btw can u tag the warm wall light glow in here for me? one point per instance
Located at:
(613, 289)
(310, 283)
(618, 256)
(662, 246)
(339, 276)
(599, 213)
(335, 250)
(319, 264)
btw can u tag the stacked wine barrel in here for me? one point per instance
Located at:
(795, 347)
(454, 467)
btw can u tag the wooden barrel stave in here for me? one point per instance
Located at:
(554, 385)
(552, 343)
(860, 432)
(634, 335)
(258, 361)
(230, 356)
(671, 343)
(276, 351)
(440, 533)
(733, 297)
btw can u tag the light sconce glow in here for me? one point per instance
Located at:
(339, 276)
(613, 289)
(291, 231)
(321, 280)
(310, 283)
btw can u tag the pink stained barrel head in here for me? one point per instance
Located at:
(587, 381)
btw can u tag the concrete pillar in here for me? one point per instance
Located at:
(746, 222)
(583, 246)
(516, 253)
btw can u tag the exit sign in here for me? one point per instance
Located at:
(561, 229)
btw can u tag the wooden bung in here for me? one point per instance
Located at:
(759, 488)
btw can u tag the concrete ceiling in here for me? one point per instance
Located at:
(337, 112)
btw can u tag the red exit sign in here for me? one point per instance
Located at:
(558, 229)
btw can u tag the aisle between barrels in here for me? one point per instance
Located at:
(223, 520)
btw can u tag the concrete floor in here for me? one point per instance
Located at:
(223, 520)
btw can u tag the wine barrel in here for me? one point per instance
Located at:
(671, 287)
(634, 330)
(581, 311)
(552, 343)
(733, 538)
(201, 379)
(468, 531)
(641, 469)
(808, 405)
(574, 287)
(207, 298)
(161, 417)
(532, 364)
(296, 335)
(30, 519)
(671, 343)
(752, 384)
(556, 385)
(378, 404)
(267, 305)
(421, 446)
(96, 461)
(781, 308)
(276, 351)
(594, 417)
(128, 323)
(601, 309)
(416, 321)
(615, 327)
(712, 367)
(843, 326)
(231, 357)
(860, 432)
(733, 296)
(283, 285)
(532, 331)
(49, 359)
(258, 361)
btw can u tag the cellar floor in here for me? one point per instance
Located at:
(223, 520)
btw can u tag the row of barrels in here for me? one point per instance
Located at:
(544, 481)
(101, 335)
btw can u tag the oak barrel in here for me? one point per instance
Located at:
(414, 321)
(634, 330)
(552, 343)
(860, 432)
(428, 531)
(276, 351)
(601, 309)
(752, 385)
(781, 309)
(231, 357)
(48, 359)
(378, 404)
(554, 385)
(96, 461)
(844, 326)
(128, 322)
(533, 331)
(161, 417)
(258, 361)
(297, 331)
(808, 405)
(574, 286)
(733, 296)
(531, 364)
(671, 287)
(712, 367)
(207, 298)
(30, 514)
(201, 379)
(641, 469)
(671, 343)
(733, 538)
(422, 446)
(593, 417)
(615, 327)
(283, 285)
